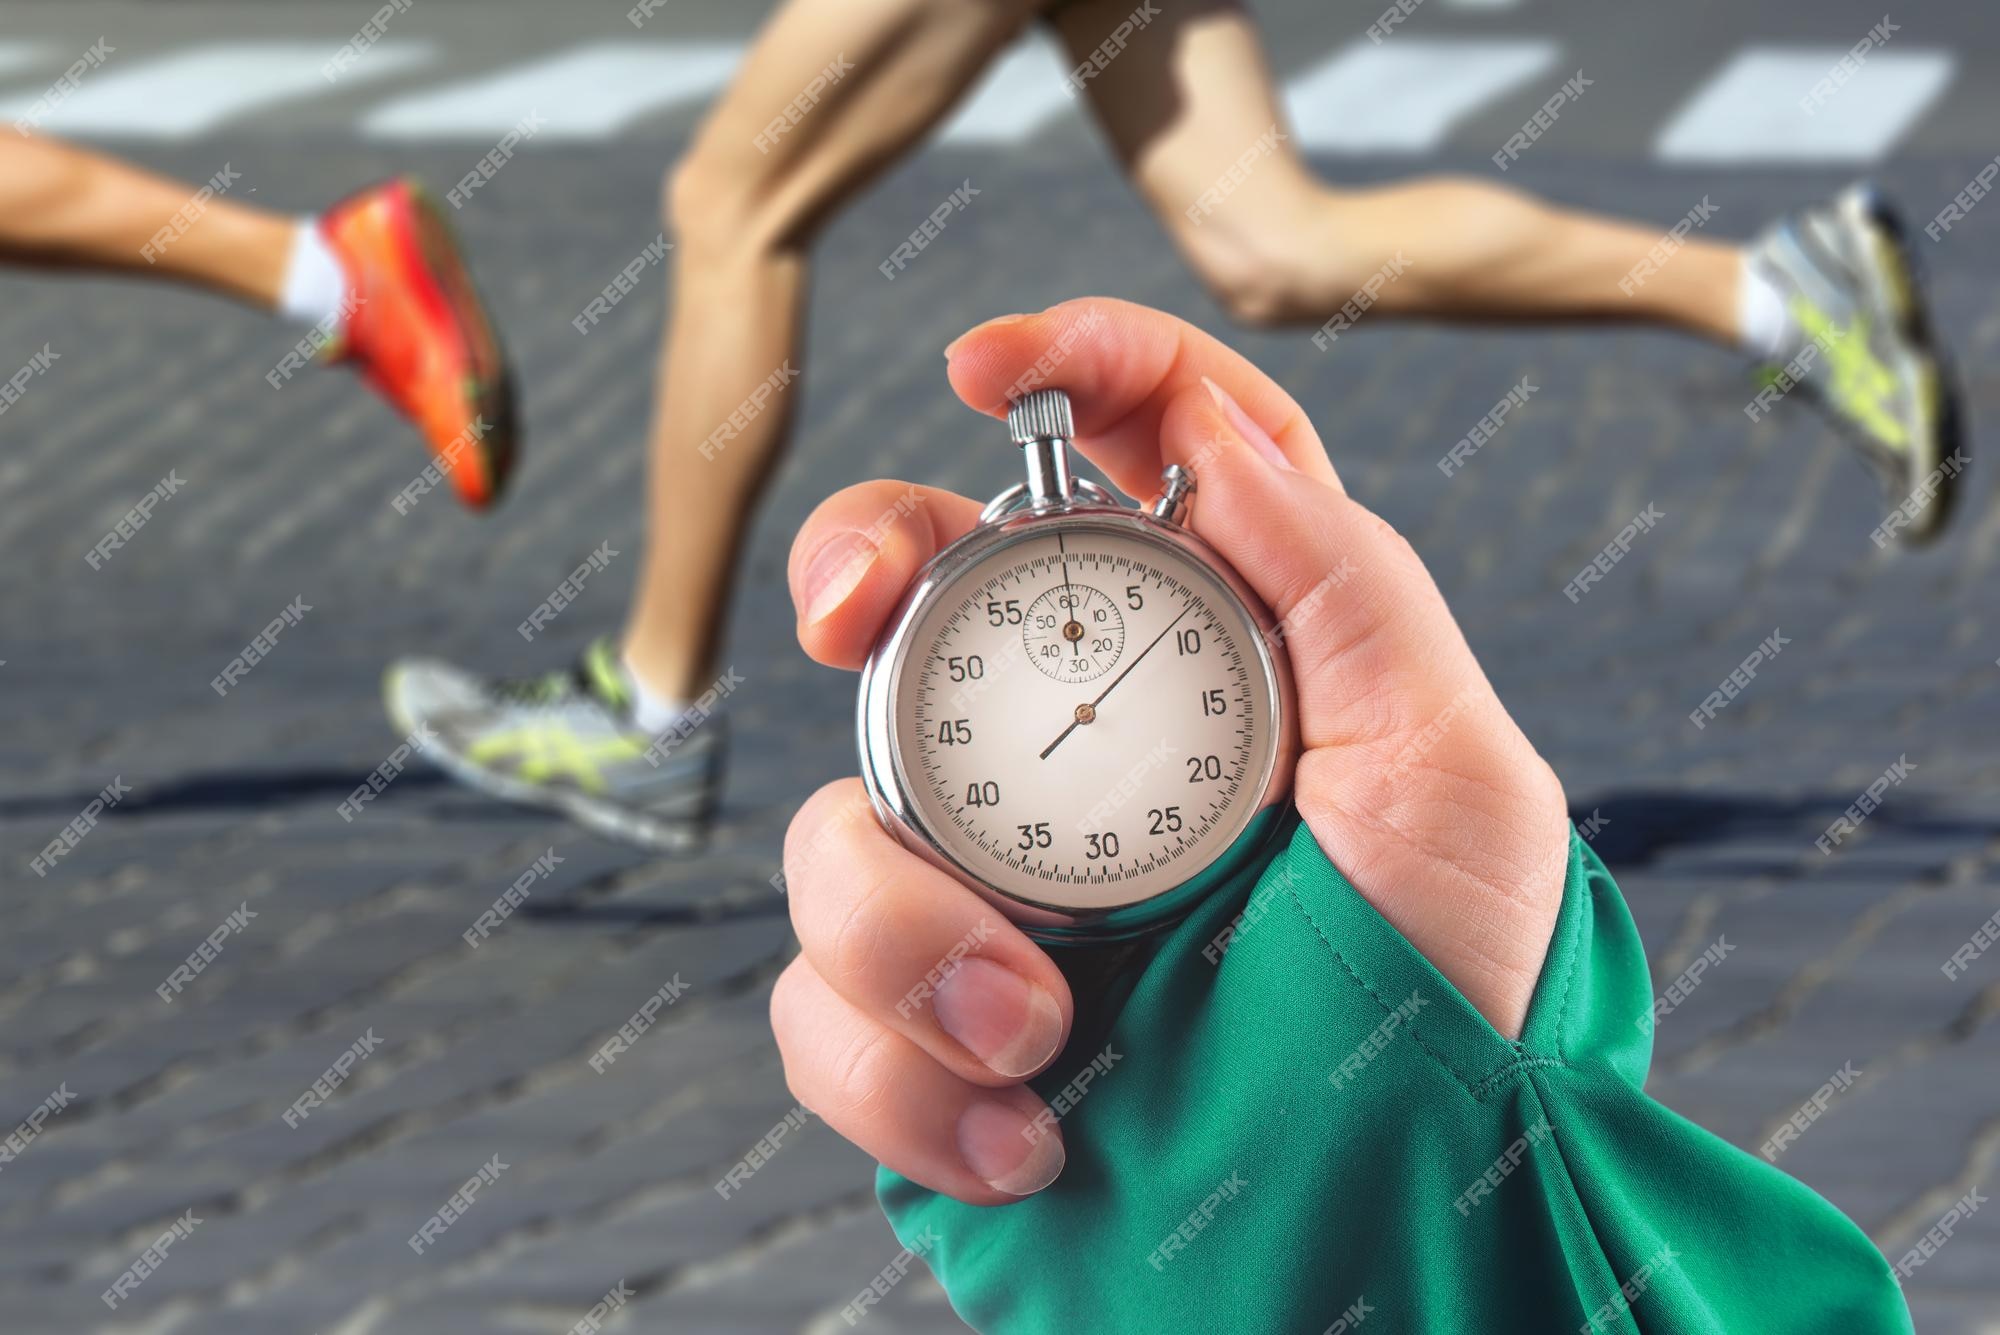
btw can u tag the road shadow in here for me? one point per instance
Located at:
(642, 913)
(222, 790)
(1637, 827)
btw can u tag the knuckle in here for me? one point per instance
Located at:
(1386, 540)
(860, 1077)
(854, 939)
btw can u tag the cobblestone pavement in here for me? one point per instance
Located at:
(350, 934)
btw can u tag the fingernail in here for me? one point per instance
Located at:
(1002, 1018)
(1004, 1150)
(1260, 439)
(994, 323)
(834, 570)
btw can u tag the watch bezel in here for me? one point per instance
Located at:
(894, 801)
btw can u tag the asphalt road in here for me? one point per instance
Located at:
(472, 1054)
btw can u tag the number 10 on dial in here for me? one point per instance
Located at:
(1078, 708)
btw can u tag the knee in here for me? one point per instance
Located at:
(717, 205)
(1252, 289)
(1255, 274)
(1297, 261)
(1266, 260)
(724, 200)
(703, 203)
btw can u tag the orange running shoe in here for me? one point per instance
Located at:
(414, 324)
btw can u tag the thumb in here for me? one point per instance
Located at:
(1414, 779)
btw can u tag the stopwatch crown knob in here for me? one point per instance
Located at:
(1042, 415)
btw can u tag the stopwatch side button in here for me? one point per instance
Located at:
(1176, 490)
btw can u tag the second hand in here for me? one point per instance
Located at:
(1076, 722)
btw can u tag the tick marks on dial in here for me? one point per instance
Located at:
(1073, 633)
(1094, 814)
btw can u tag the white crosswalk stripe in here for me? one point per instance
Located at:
(1768, 105)
(191, 92)
(1408, 95)
(589, 92)
(1405, 95)
(1024, 91)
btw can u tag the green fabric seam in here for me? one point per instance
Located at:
(1526, 1063)
(1586, 905)
(1481, 1086)
(1607, 1279)
(1292, 892)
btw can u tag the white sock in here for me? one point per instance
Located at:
(652, 711)
(315, 284)
(1763, 327)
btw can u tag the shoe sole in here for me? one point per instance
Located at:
(492, 384)
(1889, 240)
(614, 822)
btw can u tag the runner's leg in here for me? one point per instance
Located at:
(1189, 104)
(415, 326)
(743, 205)
(63, 206)
(1190, 95)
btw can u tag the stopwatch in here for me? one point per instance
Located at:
(1078, 708)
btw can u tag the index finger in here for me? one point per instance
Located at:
(1121, 365)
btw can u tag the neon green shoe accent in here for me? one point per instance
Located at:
(549, 751)
(606, 675)
(603, 676)
(1862, 386)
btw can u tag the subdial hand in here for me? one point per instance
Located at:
(1072, 629)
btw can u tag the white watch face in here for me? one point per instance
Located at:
(1083, 718)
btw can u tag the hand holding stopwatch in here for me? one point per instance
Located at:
(1122, 636)
(1048, 750)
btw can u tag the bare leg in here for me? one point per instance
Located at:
(1191, 95)
(744, 205)
(61, 206)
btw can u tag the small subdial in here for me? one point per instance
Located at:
(1073, 633)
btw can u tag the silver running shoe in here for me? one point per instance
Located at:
(567, 741)
(1864, 352)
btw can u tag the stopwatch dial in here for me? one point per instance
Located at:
(1085, 787)
(1073, 633)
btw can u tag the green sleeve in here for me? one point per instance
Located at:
(1301, 1126)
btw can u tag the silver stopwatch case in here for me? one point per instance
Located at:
(1050, 498)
